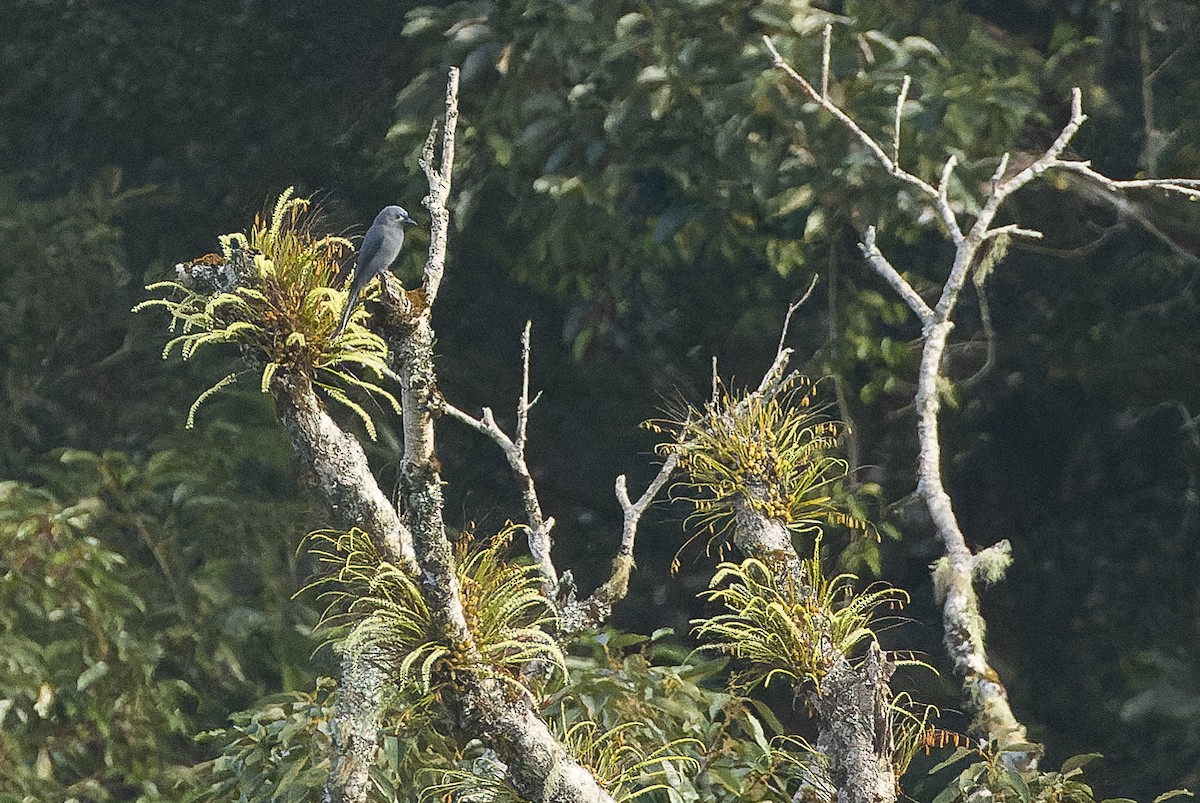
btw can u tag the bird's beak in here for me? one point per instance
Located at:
(408, 220)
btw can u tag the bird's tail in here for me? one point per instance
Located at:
(351, 300)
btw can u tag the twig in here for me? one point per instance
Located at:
(869, 143)
(594, 610)
(880, 264)
(900, 98)
(826, 43)
(1014, 230)
(439, 189)
(538, 765)
(989, 338)
(795, 305)
(514, 451)
(1188, 187)
(631, 512)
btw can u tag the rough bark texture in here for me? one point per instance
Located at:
(343, 477)
(539, 766)
(339, 469)
(410, 354)
(853, 718)
(962, 624)
(856, 728)
(355, 729)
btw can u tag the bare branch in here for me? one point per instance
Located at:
(340, 468)
(1001, 169)
(514, 452)
(1188, 187)
(944, 196)
(523, 403)
(900, 98)
(880, 264)
(938, 198)
(631, 512)
(1050, 158)
(1013, 230)
(484, 707)
(439, 189)
(989, 338)
(594, 610)
(826, 42)
(776, 375)
(795, 305)
(843, 118)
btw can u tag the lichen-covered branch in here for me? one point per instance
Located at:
(853, 717)
(339, 469)
(575, 615)
(759, 456)
(593, 611)
(354, 729)
(539, 766)
(345, 481)
(891, 165)
(439, 177)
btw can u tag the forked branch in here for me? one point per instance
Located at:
(955, 574)
(514, 452)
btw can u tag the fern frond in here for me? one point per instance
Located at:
(505, 608)
(339, 396)
(790, 628)
(279, 312)
(226, 381)
(268, 374)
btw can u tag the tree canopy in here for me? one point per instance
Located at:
(638, 181)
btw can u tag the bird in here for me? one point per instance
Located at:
(378, 251)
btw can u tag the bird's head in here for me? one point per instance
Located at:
(394, 216)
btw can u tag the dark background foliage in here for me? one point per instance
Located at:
(635, 181)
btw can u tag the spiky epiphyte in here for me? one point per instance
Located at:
(270, 291)
(620, 766)
(911, 729)
(791, 628)
(503, 603)
(770, 453)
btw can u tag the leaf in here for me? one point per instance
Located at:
(950, 793)
(768, 716)
(91, 675)
(789, 201)
(1017, 781)
(1075, 763)
(268, 373)
(1174, 793)
(958, 755)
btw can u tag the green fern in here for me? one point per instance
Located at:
(270, 292)
(791, 628)
(506, 612)
(619, 765)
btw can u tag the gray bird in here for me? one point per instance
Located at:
(379, 250)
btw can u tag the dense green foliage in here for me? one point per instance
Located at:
(633, 179)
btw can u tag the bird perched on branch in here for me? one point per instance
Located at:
(378, 251)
